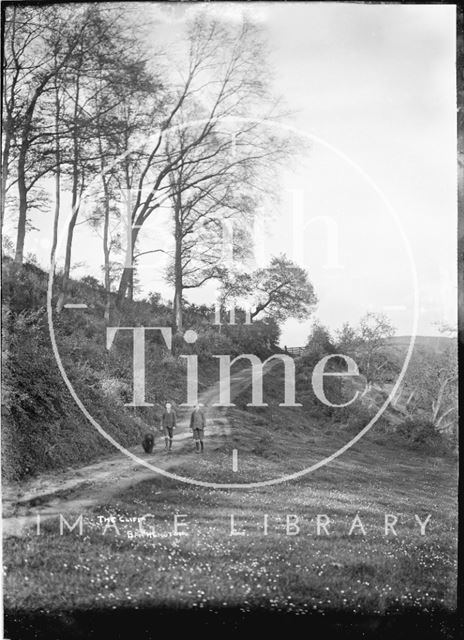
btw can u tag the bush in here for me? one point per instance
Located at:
(355, 417)
(420, 433)
(42, 426)
(211, 343)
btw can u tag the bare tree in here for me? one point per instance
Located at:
(39, 42)
(225, 67)
(206, 194)
(102, 81)
(431, 379)
(368, 344)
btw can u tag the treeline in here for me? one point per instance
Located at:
(424, 408)
(94, 108)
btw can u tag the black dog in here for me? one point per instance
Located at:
(148, 442)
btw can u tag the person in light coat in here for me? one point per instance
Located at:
(168, 424)
(197, 425)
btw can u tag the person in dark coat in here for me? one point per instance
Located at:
(197, 425)
(168, 424)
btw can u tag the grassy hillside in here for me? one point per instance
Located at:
(42, 426)
(365, 572)
(435, 344)
(362, 573)
(209, 569)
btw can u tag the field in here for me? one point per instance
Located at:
(366, 579)
(337, 583)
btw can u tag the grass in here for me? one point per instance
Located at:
(371, 574)
(210, 569)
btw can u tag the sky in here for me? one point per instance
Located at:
(372, 88)
(378, 83)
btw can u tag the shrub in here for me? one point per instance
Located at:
(420, 433)
(356, 416)
(42, 425)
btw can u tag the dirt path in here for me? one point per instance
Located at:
(77, 489)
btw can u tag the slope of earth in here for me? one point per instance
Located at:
(371, 533)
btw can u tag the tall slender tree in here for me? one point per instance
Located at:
(102, 78)
(39, 43)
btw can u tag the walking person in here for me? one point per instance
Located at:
(168, 424)
(197, 425)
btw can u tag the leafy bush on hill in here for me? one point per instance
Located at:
(420, 433)
(42, 427)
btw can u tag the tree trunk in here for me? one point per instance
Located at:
(131, 285)
(67, 263)
(106, 228)
(8, 130)
(22, 218)
(177, 319)
(178, 283)
(57, 181)
(409, 400)
(127, 276)
(440, 419)
(5, 170)
(106, 250)
(22, 188)
(436, 404)
(74, 204)
(123, 285)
